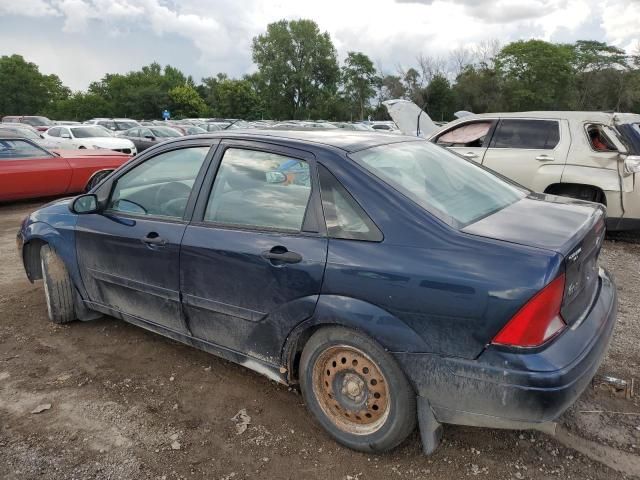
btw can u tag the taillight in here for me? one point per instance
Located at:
(538, 320)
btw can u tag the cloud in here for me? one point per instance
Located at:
(29, 8)
(84, 38)
(500, 11)
(621, 21)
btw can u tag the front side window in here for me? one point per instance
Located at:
(467, 135)
(13, 149)
(530, 134)
(160, 186)
(599, 140)
(261, 190)
(54, 132)
(453, 189)
(344, 217)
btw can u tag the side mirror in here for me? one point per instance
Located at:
(276, 177)
(150, 137)
(632, 164)
(65, 135)
(87, 203)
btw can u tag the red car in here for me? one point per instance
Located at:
(30, 171)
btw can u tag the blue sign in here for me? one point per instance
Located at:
(166, 115)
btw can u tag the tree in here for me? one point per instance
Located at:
(26, 91)
(439, 98)
(232, 98)
(186, 102)
(537, 75)
(601, 78)
(359, 77)
(79, 106)
(297, 68)
(140, 94)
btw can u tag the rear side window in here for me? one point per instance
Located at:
(344, 217)
(531, 134)
(54, 132)
(260, 190)
(453, 189)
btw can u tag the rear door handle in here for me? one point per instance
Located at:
(544, 158)
(282, 255)
(470, 155)
(153, 238)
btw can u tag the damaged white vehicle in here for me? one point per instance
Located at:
(586, 155)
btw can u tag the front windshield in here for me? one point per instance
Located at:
(37, 121)
(453, 189)
(88, 132)
(165, 132)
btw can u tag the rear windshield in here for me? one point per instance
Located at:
(453, 189)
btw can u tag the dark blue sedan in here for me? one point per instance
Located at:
(395, 281)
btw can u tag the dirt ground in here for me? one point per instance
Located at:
(127, 404)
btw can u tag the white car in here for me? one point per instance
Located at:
(88, 136)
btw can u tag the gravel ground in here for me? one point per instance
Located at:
(128, 404)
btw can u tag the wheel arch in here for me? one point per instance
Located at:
(105, 171)
(333, 310)
(576, 189)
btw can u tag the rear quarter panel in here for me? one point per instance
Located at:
(453, 296)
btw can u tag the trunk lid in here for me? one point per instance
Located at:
(572, 228)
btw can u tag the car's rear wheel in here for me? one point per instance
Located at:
(356, 390)
(58, 289)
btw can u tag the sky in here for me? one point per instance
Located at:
(81, 40)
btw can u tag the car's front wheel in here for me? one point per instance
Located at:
(58, 289)
(356, 390)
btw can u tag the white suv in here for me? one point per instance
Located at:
(586, 155)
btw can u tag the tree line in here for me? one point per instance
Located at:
(298, 76)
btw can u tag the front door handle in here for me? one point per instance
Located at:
(280, 254)
(470, 155)
(544, 158)
(153, 238)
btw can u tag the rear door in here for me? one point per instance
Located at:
(28, 171)
(469, 139)
(525, 149)
(253, 258)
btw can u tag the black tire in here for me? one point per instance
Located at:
(331, 406)
(96, 179)
(58, 289)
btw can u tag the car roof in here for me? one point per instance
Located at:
(580, 116)
(347, 140)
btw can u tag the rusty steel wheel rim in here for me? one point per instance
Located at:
(351, 390)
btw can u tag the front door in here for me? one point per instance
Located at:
(252, 262)
(28, 171)
(129, 254)
(531, 152)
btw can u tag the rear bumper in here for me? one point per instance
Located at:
(507, 389)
